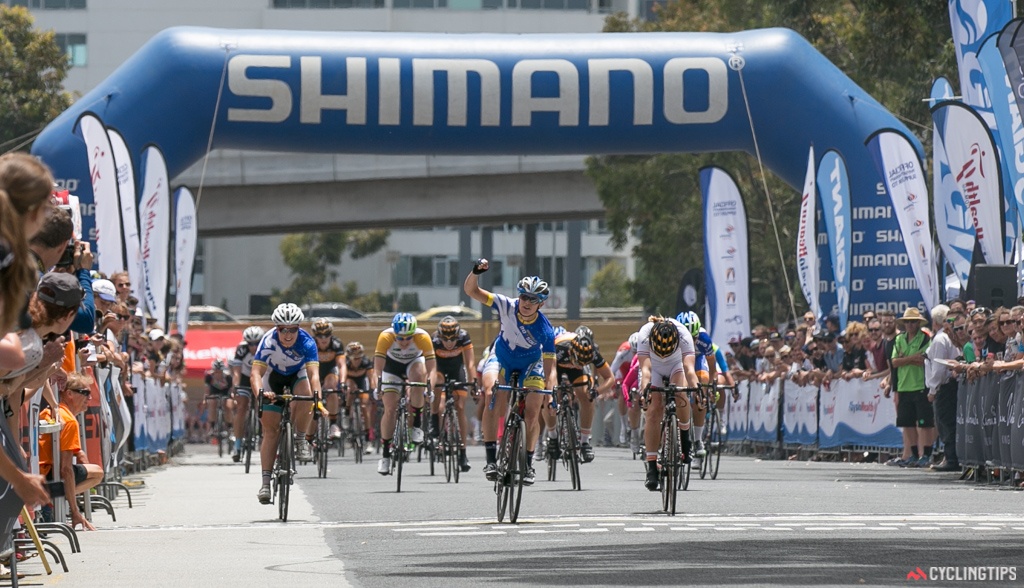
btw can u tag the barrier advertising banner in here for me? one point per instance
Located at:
(800, 419)
(103, 174)
(834, 190)
(763, 416)
(974, 164)
(856, 412)
(726, 257)
(185, 237)
(806, 249)
(901, 168)
(129, 214)
(737, 412)
(953, 225)
(156, 228)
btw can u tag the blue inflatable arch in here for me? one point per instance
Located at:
(393, 93)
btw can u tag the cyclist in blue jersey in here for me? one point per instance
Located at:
(705, 367)
(525, 343)
(287, 357)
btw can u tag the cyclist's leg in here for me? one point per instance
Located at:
(534, 380)
(389, 395)
(550, 425)
(586, 408)
(416, 372)
(211, 410)
(333, 401)
(436, 403)
(491, 415)
(682, 410)
(242, 399)
(302, 412)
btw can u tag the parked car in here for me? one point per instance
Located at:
(333, 311)
(463, 313)
(205, 314)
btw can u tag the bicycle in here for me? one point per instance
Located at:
(512, 466)
(356, 431)
(400, 444)
(713, 438)
(449, 442)
(634, 398)
(283, 473)
(252, 431)
(670, 456)
(321, 438)
(220, 429)
(567, 419)
(429, 435)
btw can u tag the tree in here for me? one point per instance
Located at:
(656, 198)
(609, 287)
(312, 255)
(32, 72)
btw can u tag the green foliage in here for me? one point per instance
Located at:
(657, 199)
(609, 287)
(32, 72)
(314, 257)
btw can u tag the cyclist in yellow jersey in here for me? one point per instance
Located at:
(404, 352)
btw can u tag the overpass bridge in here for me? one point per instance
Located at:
(247, 193)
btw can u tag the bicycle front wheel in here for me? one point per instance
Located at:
(518, 473)
(572, 449)
(285, 457)
(455, 437)
(249, 440)
(506, 460)
(716, 444)
(398, 448)
(669, 464)
(357, 433)
(322, 444)
(221, 434)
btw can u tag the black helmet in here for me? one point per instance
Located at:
(582, 350)
(585, 331)
(664, 338)
(448, 328)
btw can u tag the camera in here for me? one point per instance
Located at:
(67, 258)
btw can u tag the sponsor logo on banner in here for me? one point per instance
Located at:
(730, 275)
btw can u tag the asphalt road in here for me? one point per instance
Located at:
(759, 523)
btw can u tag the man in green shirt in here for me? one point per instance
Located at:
(914, 413)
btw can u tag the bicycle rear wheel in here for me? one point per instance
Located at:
(221, 436)
(322, 445)
(285, 458)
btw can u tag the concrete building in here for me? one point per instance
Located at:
(423, 252)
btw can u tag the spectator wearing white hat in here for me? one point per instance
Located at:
(104, 296)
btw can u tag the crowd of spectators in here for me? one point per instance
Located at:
(917, 361)
(58, 319)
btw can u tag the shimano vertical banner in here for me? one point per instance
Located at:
(155, 214)
(726, 257)
(974, 164)
(184, 253)
(104, 188)
(901, 168)
(806, 250)
(953, 225)
(129, 213)
(834, 190)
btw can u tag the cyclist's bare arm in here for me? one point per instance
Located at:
(469, 360)
(472, 284)
(431, 367)
(607, 387)
(645, 372)
(256, 377)
(550, 372)
(313, 374)
(689, 361)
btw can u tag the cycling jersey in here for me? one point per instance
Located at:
(388, 347)
(665, 367)
(287, 360)
(701, 364)
(218, 383)
(243, 358)
(451, 360)
(520, 344)
(620, 364)
(334, 348)
(702, 345)
(359, 374)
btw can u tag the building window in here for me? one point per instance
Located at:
(327, 4)
(73, 44)
(421, 270)
(50, 4)
(554, 278)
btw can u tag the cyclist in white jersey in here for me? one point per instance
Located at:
(286, 358)
(525, 343)
(241, 368)
(665, 352)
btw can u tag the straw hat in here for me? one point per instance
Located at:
(912, 314)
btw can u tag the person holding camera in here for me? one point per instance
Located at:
(54, 246)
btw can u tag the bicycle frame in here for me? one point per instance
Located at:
(512, 464)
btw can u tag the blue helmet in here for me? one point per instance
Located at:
(691, 321)
(404, 324)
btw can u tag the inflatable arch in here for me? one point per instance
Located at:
(392, 93)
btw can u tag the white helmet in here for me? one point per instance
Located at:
(634, 340)
(287, 314)
(534, 286)
(253, 334)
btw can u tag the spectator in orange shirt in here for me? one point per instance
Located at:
(78, 477)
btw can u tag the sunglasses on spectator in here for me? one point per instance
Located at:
(124, 317)
(960, 328)
(1004, 323)
(83, 391)
(288, 330)
(874, 330)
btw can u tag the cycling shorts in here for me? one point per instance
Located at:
(395, 372)
(327, 369)
(243, 391)
(531, 377)
(277, 383)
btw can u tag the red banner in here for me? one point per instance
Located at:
(203, 346)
